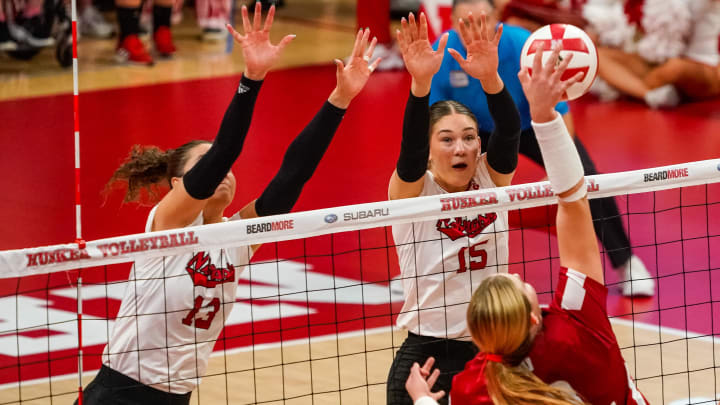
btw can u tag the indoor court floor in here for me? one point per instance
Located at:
(340, 358)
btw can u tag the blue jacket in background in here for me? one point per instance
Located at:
(452, 83)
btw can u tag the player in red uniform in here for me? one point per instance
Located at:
(571, 345)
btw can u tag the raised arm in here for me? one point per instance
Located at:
(189, 193)
(482, 63)
(305, 152)
(422, 62)
(576, 238)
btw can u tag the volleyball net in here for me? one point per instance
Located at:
(313, 317)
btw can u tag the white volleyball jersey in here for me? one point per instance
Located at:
(703, 44)
(443, 261)
(172, 313)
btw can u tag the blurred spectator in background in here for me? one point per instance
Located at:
(375, 14)
(659, 51)
(130, 48)
(7, 43)
(533, 14)
(92, 23)
(26, 24)
(211, 17)
(267, 3)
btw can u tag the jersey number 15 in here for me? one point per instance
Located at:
(477, 256)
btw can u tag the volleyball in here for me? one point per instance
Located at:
(574, 41)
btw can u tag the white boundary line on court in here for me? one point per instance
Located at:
(352, 334)
(664, 329)
(262, 346)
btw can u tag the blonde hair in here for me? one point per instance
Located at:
(499, 321)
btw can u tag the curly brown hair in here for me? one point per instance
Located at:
(150, 168)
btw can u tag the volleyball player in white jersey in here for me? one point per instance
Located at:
(443, 261)
(175, 307)
(570, 345)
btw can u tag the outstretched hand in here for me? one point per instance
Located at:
(420, 59)
(482, 48)
(420, 382)
(545, 87)
(259, 54)
(351, 78)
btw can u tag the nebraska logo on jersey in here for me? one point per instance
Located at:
(205, 274)
(456, 228)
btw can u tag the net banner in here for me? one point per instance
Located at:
(49, 259)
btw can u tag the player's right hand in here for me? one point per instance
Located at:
(421, 61)
(351, 78)
(259, 53)
(420, 381)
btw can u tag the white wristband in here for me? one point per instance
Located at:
(562, 162)
(425, 401)
(577, 195)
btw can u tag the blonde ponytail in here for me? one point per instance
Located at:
(499, 321)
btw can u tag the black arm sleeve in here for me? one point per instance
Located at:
(202, 180)
(415, 147)
(301, 159)
(504, 143)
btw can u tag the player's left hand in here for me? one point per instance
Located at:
(351, 78)
(482, 48)
(259, 53)
(420, 382)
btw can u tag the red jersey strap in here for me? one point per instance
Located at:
(469, 386)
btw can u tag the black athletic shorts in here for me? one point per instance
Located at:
(113, 388)
(450, 357)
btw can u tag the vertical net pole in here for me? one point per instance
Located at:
(78, 221)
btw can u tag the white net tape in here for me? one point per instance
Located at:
(24, 262)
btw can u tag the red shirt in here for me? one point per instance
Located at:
(576, 345)
(468, 386)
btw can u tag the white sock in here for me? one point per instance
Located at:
(665, 96)
(604, 91)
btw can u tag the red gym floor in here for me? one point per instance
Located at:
(38, 192)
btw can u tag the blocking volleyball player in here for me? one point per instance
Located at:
(450, 83)
(175, 307)
(571, 345)
(442, 261)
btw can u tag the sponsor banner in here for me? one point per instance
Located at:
(22, 262)
(365, 214)
(271, 226)
(666, 174)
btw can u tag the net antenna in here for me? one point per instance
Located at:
(78, 218)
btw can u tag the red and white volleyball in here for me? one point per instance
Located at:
(574, 41)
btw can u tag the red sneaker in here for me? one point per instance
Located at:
(131, 49)
(164, 42)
